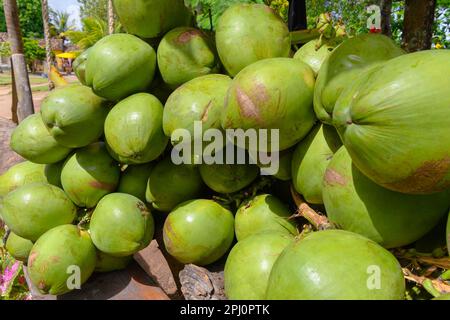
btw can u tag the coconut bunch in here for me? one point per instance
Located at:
(362, 170)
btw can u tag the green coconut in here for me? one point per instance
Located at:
(133, 129)
(79, 66)
(31, 140)
(198, 232)
(74, 115)
(19, 248)
(120, 65)
(284, 169)
(184, 54)
(170, 184)
(393, 219)
(228, 178)
(272, 94)
(313, 56)
(263, 213)
(53, 173)
(63, 258)
(160, 89)
(32, 209)
(201, 99)
(249, 263)
(134, 179)
(151, 18)
(436, 238)
(247, 33)
(282, 165)
(121, 225)
(310, 160)
(345, 64)
(393, 126)
(108, 263)
(21, 174)
(336, 265)
(89, 174)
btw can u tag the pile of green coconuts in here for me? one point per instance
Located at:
(364, 133)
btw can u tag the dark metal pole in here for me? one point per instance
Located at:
(297, 15)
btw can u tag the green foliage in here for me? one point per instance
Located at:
(353, 14)
(209, 11)
(60, 22)
(5, 49)
(93, 29)
(30, 17)
(2, 18)
(280, 6)
(94, 9)
(441, 27)
(33, 51)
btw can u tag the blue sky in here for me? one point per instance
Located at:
(71, 6)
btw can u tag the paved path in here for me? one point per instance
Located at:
(7, 156)
(38, 96)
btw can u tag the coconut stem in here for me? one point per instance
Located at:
(303, 36)
(6, 235)
(443, 262)
(85, 219)
(435, 287)
(319, 222)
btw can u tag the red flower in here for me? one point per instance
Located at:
(374, 30)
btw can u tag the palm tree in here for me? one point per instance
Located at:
(110, 17)
(93, 29)
(48, 45)
(21, 82)
(61, 23)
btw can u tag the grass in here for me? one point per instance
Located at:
(5, 79)
(40, 88)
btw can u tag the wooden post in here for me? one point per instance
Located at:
(110, 17)
(14, 96)
(418, 24)
(48, 45)
(22, 82)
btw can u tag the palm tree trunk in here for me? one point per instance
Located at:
(418, 24)
(48, 45)
(22, 82)
(110, 17)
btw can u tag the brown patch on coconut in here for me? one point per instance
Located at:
(32, 258)
(261, 95)
(188, 35)
(142, 208)
(103, 185)
(42, 286)
(166, 235)
(204, 116)
(428, 178)
(333, 177)
(247, 107)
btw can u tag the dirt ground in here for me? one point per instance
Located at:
(38, 96)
